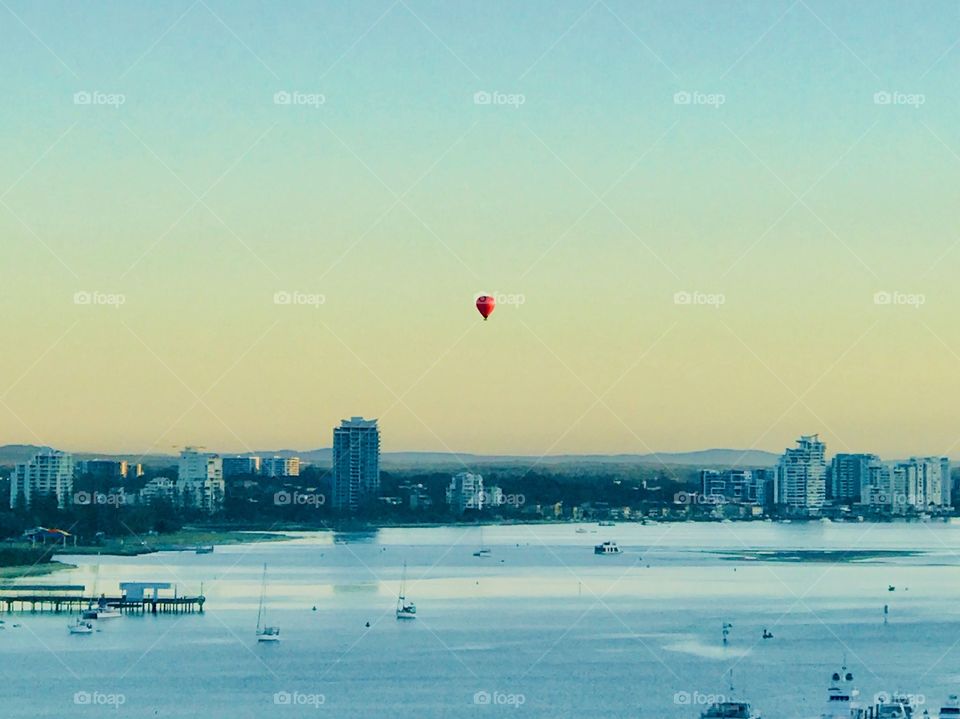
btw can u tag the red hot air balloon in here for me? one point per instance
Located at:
(485, 305)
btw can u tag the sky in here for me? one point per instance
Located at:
(232, 224)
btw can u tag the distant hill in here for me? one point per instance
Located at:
(13, 453)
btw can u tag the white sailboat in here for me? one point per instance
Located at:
(265, 633)
(405, 609)
(102, 610)
(79, 626)
(483, 551)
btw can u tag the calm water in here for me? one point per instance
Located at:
(543, 626)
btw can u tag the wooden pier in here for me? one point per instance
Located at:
(71, 598)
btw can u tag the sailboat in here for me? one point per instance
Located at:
(79, 626)
(102, 610)
(265, 633)
(483, 551)
(405, 609)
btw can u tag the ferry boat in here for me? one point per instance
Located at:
(607, 548)
(841, 698)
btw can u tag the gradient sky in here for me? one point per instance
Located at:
(399, 200)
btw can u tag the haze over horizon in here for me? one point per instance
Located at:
(811, 203)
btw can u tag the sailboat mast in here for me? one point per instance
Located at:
(263, 592)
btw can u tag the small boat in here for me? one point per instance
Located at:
(204, 550)
(606, 523)
(104, 612)
(607, 548)
(80, 627)
(767, 634)
(265, 633)
(581, 530)
(405, 609)
(483, 551)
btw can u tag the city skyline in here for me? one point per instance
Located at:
(660, 203)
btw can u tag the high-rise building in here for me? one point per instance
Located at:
(876, 490)
(928, 484)
(465, 492)
(281, 467)
(49, 473)
(739, 486)
(801, 475)
(200, 480)
(848, 473)
(356, 463)
(103, 468)
(241, 466)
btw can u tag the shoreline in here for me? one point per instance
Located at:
(21, 571)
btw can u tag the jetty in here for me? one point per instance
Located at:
(133, 598)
